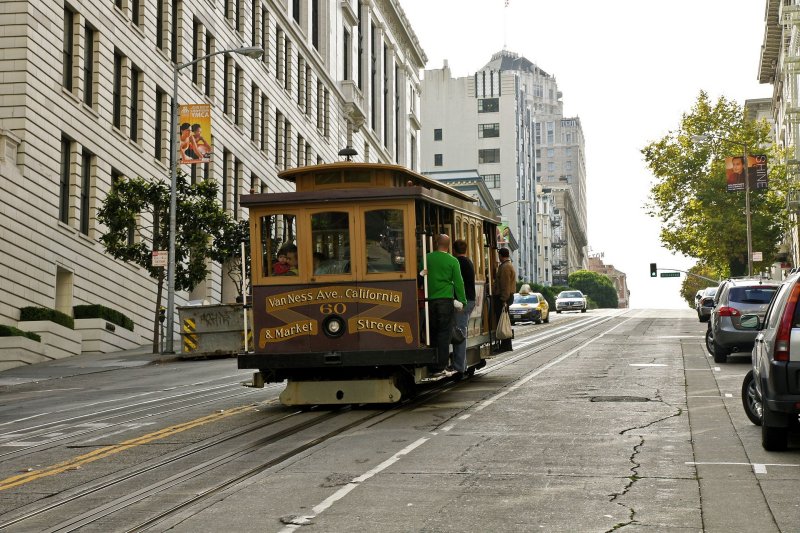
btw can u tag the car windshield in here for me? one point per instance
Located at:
(525, 299)
(571, 294)
(752, 295)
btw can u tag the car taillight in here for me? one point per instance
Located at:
(784, 334)
(729, 311)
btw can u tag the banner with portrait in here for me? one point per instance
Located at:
(194, 131)
(756, 173)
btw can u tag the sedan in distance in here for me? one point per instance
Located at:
(705, 304)
(570, 301)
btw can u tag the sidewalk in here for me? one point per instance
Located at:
(83, 364)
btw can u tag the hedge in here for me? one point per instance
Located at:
(43, 313)
(101, 311)
(10, 331)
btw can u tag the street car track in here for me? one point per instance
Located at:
(533, 344)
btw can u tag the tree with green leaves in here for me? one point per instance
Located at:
(692, 284)
(596, 286)
(699, 217)
(136, 215)
(227, 251)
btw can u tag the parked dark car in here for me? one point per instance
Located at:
(705, 304)
(771, 390)
(735, 297)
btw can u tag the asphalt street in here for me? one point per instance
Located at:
(605, 421)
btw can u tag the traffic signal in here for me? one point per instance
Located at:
(653, 269)
(162, 314)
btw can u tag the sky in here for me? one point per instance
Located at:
(629, 69)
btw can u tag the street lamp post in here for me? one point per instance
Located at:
(701, 138)
(249, 51)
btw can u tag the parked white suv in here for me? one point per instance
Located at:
(571, 300)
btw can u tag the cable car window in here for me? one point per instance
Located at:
(328, 178)
(385, 244)
(358, 177)
(278, 245)
(330, 240)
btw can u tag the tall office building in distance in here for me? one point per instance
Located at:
(506, 121)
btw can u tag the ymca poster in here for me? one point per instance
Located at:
(756, 172)
(194, 130)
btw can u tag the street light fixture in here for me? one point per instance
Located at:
(703, 138)
(516, 201)
(247, 51)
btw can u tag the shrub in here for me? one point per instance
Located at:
(43, 313)
(10, 331)
(101, 311)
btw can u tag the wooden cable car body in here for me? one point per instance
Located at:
(343, 321)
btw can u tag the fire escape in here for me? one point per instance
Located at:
(558, 245)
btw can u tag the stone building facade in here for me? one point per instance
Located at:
(618, 278)
(85, 90)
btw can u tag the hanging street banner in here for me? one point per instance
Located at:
(503, 234)
(194, 129)
(756, 172)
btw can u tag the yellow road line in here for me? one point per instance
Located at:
(106, 451)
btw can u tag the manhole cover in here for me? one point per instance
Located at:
(619, 399)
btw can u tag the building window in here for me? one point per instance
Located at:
(551, 166)
(254, 112)
(326, 100)
(254, 33)
(413, 152)
(568, 165)
(320, 105)
(64, 178)
(67, 49)
(265, 36)
(278, 138)
(226, 84)
(238, 96)
(237, 176)
(279, 44)
(301, 151)
(315, 24)
(209, 74)
(86, 189)
(551, 152)
(537, 128)
(287, 65)
(488, 105)
(264, 121)
(550, 133)
(136, 93)
(437, 160)
(296, 10)
(301, 81)
(196, 38)
(117, 90)
(568, 150)
(238, 20)
(176, 24)
(158, 133)
(491, 155)
(492, 180)
(437, 134)
(488, 130)
(568, 137)
(88, 66)
(136, 12)
(226, 157)
(346, 55)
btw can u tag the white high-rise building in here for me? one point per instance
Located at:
(85, 90)
(507, 122)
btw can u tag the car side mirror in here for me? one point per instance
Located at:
(750, 322)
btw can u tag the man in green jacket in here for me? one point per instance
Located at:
(444, 283)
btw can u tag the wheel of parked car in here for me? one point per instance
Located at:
(773, 439)
(546, 319)
(751, 401)
(583, 310)
(558, 312)
(719, 353)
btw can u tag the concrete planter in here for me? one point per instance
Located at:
(20, 351)
(208, 330)
(59, 341)
(100, 336)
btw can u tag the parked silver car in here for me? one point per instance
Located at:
(771, 390)
(735, 297)
(705, 304)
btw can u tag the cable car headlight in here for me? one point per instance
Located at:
(333, 326)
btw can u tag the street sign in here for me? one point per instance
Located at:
(159, 258)
(670, 274)
(758, 256)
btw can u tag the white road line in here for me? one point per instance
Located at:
(727, 395)
(717, 369)
(647, 364)
(447, 428)
(464, 417)
(758, 468)
(344, 491)
(23, 419)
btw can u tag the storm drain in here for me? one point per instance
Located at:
(619, 399)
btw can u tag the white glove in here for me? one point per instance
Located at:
(458, 305)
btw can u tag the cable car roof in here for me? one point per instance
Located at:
(416, 179)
